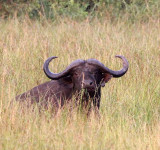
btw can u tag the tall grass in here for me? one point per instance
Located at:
(130, 106)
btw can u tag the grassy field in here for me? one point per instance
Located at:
(130, 106)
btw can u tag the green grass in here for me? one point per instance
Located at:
(130, 106)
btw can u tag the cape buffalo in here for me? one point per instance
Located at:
(81, 76)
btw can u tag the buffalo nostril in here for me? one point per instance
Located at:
(91, 83)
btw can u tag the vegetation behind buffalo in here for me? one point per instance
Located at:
(133, 10)
(129, 106)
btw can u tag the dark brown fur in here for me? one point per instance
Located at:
(83, 80)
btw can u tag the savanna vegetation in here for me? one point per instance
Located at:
(134, 10)
(130, 106)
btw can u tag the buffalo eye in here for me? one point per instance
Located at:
(97, 73)
(76, 74)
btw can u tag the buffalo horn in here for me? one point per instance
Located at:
(104, 69)
(56, 76)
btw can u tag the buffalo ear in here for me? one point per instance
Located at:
(106, 78)
(68, 79)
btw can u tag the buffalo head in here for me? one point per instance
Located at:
(88, 75)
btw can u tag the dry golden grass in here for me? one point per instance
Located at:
(130, 106)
